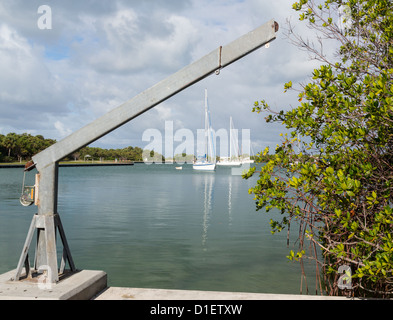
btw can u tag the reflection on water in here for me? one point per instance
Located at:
(230, 202)
(208, 180)
(208, 198)
(157, 227)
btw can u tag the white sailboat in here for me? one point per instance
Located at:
(233, 159)
(208, 161)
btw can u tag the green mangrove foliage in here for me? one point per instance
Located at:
(333, 171)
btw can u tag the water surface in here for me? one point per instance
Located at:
(151, 226)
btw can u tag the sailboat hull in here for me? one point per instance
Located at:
(204, 166)
(229, 163)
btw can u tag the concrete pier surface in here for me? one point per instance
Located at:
(81, 285)
(117, 293)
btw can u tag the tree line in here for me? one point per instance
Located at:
(22, 147)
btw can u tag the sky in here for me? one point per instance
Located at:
(61, 73)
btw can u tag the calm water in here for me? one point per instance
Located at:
(151, 226)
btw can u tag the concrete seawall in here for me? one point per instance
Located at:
(118, 293)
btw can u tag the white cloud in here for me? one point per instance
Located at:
(27, 88)
(127, 47)
(62, 129)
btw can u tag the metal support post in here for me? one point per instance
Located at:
(47, 208)
(46, 223)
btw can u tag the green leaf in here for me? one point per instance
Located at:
(287, 86)
(329, 170)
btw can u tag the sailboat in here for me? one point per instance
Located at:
(233, 159)
(208, 161)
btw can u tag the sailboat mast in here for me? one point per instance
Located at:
(206, 127)
(230, 138)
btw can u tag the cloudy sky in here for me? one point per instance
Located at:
(99, 54)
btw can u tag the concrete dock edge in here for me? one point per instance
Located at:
(119, 293)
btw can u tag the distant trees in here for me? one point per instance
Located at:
(18, 147)
(183, 157)
(128, 153)
(21, 147)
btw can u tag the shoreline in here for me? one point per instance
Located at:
(72, 164)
